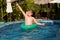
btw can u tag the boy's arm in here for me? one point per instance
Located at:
(21, 9)
(38, 22)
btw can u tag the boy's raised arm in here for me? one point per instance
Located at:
(21, 9)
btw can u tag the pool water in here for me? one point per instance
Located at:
(14, 32)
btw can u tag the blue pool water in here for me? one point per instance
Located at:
(12, 31)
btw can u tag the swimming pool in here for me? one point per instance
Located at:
(12, 31)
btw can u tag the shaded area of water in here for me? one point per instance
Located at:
(13, 32)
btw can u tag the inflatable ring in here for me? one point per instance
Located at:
(26, 27)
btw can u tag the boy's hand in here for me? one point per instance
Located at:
(17, 4)
(42, 24)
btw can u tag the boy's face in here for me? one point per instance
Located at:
(29, 13)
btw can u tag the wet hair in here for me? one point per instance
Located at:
(30, 10)
(33, 13)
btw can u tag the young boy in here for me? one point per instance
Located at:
(29, 20)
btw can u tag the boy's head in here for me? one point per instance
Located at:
(29, 12)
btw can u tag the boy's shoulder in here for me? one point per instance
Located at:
(33, 17)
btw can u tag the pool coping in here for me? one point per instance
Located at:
(9, 23)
